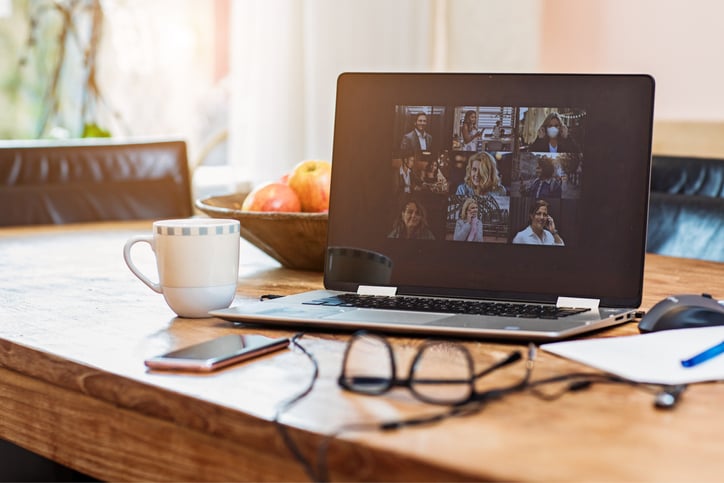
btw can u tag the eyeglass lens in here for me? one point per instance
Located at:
(442, 373)
(369, 365)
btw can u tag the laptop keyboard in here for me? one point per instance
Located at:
(429, 304)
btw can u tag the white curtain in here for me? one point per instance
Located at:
(286, 56)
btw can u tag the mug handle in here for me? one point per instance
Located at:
(127, 257)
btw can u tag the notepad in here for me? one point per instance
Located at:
(649, 358)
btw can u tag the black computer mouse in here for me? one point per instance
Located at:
(683, 312)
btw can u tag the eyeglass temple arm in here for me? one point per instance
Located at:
(500, 392)
(374, 380)
(512, 357)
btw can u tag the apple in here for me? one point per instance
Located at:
(272, 196)
(311, 179)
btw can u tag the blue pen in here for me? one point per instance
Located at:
(710, 353)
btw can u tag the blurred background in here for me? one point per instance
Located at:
(250, 84)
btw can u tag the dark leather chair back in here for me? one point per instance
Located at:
(686, 208)
(56, 182)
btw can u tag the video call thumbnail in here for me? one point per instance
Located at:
(487, 174)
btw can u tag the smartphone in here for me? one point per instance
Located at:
(217, 353)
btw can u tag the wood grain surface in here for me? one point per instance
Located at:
(76, 325)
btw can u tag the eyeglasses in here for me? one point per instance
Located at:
(358, 376)
(440, 373)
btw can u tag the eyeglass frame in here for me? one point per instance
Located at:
(409, 382)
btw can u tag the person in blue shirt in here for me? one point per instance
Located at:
(545, 185)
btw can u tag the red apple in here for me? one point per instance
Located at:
(272, 196)
(310, 179)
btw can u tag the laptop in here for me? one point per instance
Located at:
(494, 206)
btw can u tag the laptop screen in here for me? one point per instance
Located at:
(507, 186)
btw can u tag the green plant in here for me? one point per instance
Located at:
(62, 52)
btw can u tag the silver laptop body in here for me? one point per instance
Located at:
(525, 189)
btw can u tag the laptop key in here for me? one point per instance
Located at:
(422, 304)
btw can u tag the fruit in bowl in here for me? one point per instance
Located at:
(296, 240)
(272, 196)
(310, 180)
(272, 221)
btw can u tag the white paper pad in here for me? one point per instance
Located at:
(654, 358)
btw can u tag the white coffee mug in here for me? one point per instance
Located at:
(197, 261)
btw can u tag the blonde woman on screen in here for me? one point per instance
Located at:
(469, 227)
(481, 177)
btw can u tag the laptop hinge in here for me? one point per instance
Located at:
(578, 302)
(376, 290)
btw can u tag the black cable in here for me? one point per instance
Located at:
(577, 381)
(285, 405)
(472, 406)
(455, 411)
(666, 397)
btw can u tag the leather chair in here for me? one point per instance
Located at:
(84, 180)
(686, 208)
(56, 182)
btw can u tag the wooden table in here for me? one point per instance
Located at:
(76, 325)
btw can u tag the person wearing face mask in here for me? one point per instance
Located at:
(553, 137)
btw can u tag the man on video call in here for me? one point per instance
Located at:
(418, 140)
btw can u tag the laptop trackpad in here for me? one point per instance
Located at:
(388, 317)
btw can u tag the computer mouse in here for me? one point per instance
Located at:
(683, 312)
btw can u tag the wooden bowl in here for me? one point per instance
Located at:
(296, 240)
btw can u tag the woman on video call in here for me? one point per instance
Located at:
(553, 137)
(470, 131)
(469, 227)
(542, 228)
(411, 222)
(481, 177)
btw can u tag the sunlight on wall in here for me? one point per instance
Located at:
(162, 64)
(159, 68)
(679, 43)
(6, 8)
(286, 56)
(493, 35)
